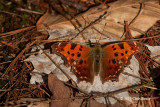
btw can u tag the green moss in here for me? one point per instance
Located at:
(24, 20)
(1, 7)
(38, 9)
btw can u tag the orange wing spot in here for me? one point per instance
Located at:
(81, 77)
(114, 76)
(85, 77)
(126, 57)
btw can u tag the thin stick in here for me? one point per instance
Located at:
(134, 18)
(18, 56)
(16, 31)
(28, 11)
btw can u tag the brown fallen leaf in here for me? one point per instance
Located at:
(60, 92)
(89, 103)
(61, 95)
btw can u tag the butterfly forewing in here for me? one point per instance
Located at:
(70, 51)
(78, 56)
(113, 56)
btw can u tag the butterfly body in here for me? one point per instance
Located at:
(87, 62)
(96, 56)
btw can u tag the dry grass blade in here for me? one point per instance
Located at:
(16, 31)
(9, 44)
(29, 11)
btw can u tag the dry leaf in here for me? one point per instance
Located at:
(60, 92)
(110, 25)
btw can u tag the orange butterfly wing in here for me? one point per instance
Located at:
(78, 56)
(113, 56)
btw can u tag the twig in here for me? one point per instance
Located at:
(29, 11)
(18, 56)
(31, 100)
(93, 22)
(16, 31)
(135, 39)
(10, 45)
(152, 60)
(9, 89)
(122, 90)
(6, 102)
(133, 28)
(71, 21)
(101, 32)
(5, 90)
(125, 73)
(92, 26)
(74, 4)
(120, 101)
(134, 18)
(77, 88)
(2, 11)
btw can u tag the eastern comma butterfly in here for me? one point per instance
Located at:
(86, 61)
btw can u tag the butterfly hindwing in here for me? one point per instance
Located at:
(83, 69)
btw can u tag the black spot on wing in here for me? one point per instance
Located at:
(121, 45)
(73, 46)
(72, 54)
(122, 54)
(81, 61)
(114, 48)
(126, 52)
(68, 52)
(116, 54)
(78, 54)
(80, 49)
(113, 61)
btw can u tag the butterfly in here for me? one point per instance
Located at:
(107, 61)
